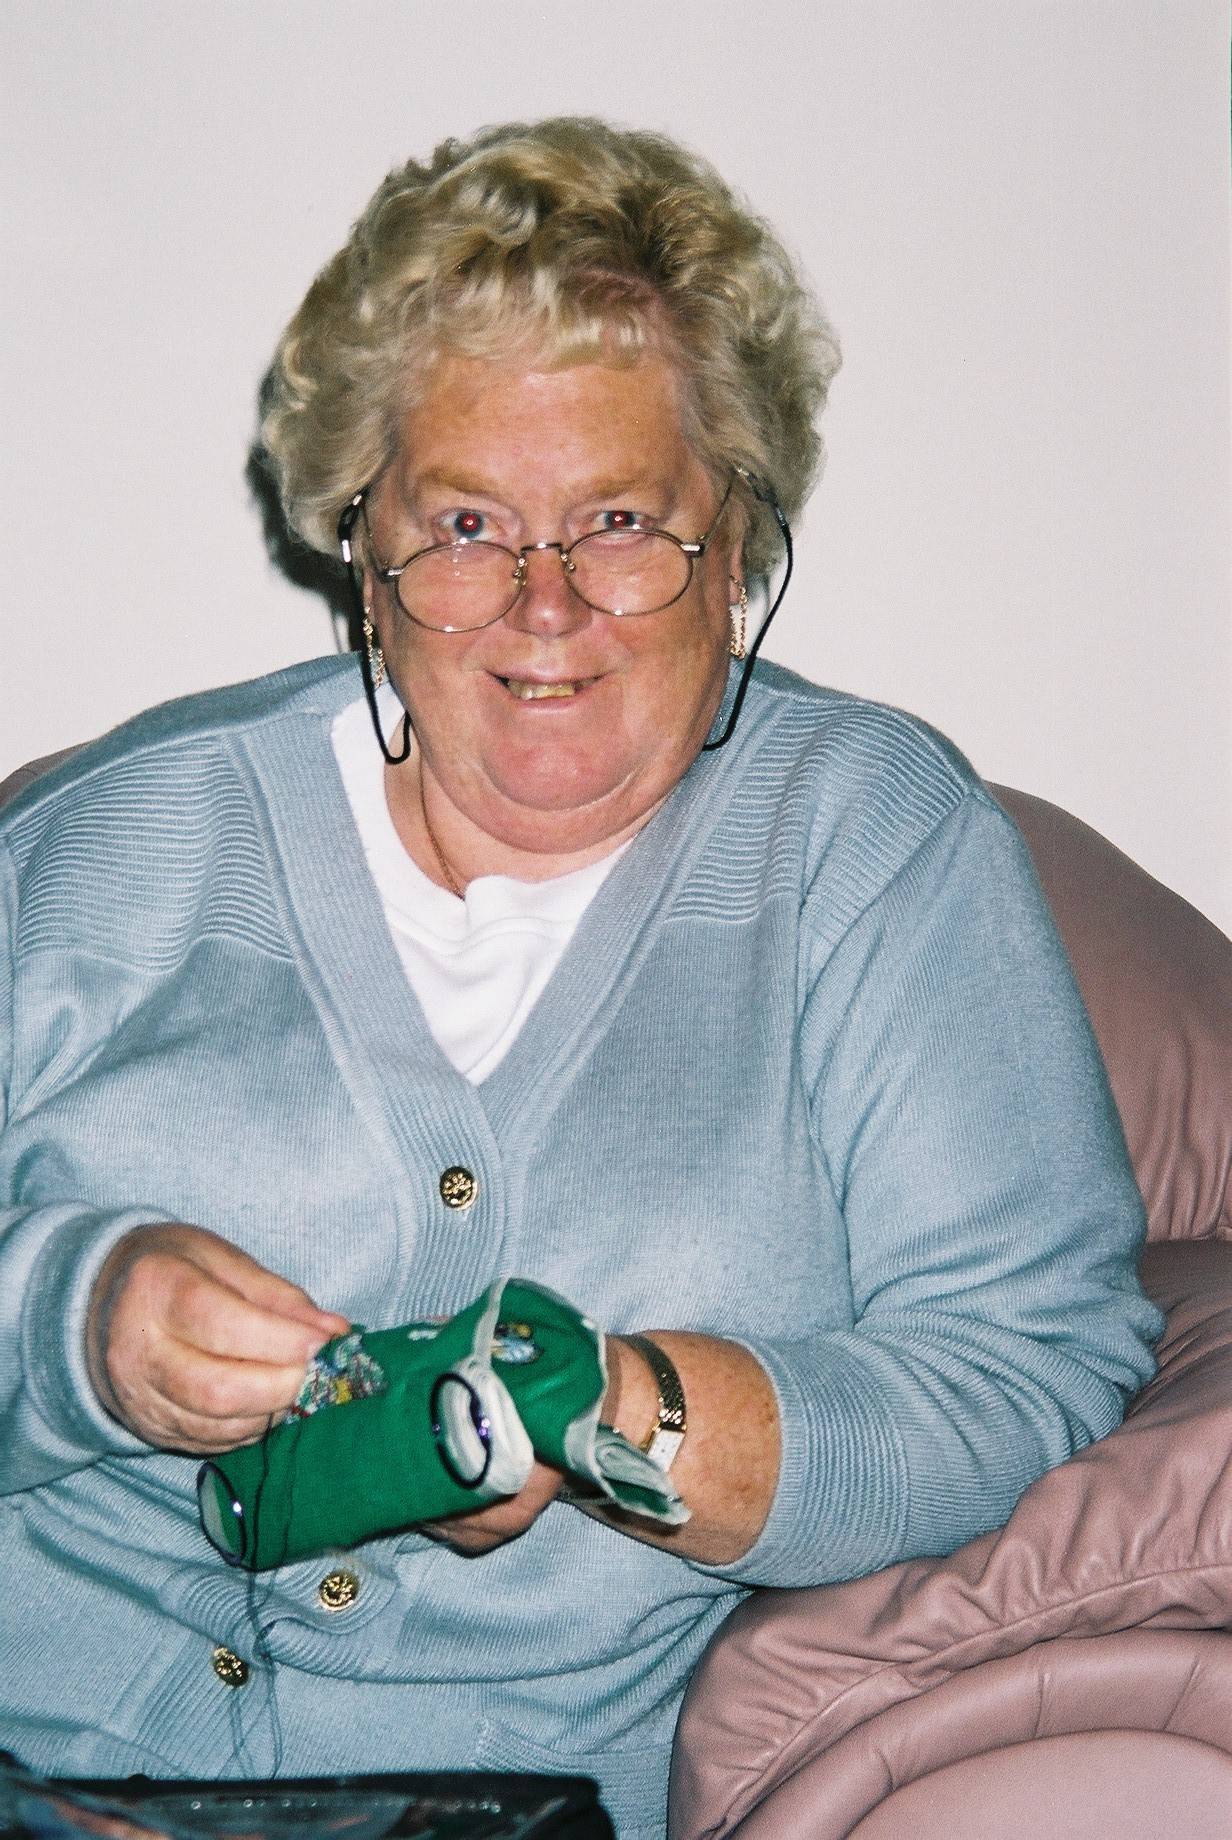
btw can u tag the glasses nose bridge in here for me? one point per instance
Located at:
(522, 570)
(530, 549)
(551, 604)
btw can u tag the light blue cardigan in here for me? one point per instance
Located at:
(813, 1075)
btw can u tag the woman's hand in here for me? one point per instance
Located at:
(192, 1345)
(629, 1404)
(490, 1527)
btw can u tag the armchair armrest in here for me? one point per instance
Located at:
(1132, 1535)
(1113, 1738)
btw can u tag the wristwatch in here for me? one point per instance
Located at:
(668, 1434)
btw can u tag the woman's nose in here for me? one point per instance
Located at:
(547, 604)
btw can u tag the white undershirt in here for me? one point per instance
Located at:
(478, 965)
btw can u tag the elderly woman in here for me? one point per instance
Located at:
(737, 1020)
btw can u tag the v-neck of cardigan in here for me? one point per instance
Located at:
(337, 928)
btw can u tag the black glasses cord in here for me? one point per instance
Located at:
(767, 498)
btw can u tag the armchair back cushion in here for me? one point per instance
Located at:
(1156, 978)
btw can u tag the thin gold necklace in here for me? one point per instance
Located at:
(454, 886)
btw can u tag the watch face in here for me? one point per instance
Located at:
(222, 1516)
(663, 1446)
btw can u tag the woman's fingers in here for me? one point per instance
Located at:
(259, 1285)
(178, 1396)
(204, 1312)
(216, 1388)
(193, 1345)
(182, 1399)
(477, 1533)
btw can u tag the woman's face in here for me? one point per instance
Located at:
(545, 456)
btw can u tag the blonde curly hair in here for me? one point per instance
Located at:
(571, 240)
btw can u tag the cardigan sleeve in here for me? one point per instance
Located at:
(50, 1419)
(51, 1422)
(961, 1109)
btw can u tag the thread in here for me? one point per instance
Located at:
(255, 1601)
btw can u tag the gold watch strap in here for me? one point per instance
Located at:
(667, 1436)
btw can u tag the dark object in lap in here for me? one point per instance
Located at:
(449, 1805)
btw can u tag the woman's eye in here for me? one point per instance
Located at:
(619, 520)
(465, 526)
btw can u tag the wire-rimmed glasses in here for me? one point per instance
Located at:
(353, 509)
(626, 569)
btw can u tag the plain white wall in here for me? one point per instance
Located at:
(1015, 210)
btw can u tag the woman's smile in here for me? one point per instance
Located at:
(532, 690)
(550, 689)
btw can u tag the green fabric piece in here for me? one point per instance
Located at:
(348, 1472)
(456, 1413)
(558, 1396)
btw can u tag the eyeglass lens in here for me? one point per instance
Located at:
(472, 584)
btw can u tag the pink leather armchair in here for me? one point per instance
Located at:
(1072, 1673)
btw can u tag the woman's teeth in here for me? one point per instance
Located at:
(529, 693)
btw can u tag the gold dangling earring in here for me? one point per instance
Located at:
(376, 657)
(737, 647)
